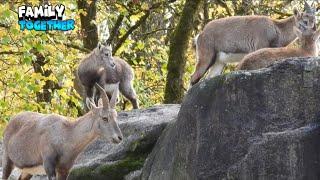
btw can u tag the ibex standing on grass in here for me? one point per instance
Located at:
(266, 56)
(241, 35)
(110, 72)
(38, 143)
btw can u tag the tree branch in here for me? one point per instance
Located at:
(131, 29)
(69, 45)
(205, 12)
(154, 31)
(138, 23)
(10, 52)
(4, 25)
(115, 29)
(77, 47)
(225, 6)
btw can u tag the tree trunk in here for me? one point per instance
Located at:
(38, 64)
(174, 91)
(90, 40)
(89, 29)
(205, 13)
(50, 86)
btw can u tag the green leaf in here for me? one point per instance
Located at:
(140, 45)
(27, 59)
(7, 13)
(39, 47)
(5, 40)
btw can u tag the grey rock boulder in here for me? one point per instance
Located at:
(141, 129)
(246, 125)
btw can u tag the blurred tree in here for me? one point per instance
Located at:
(50, 86)
(88, 24)
(174, 91)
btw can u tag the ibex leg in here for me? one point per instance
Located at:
(63, 174)
(25, 176)
(7, 166)
(215, 70)
(126, 88)
(205, 58)
(49, 163)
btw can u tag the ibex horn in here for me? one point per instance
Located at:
(105, 99)
(307, 8)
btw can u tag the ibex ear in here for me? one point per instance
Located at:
(114, 98)
(99, 46)
(296, 13)
(297, 31)
(100, 103)
(97, 49)
(109, 46)
(307, 8)
(90, 104)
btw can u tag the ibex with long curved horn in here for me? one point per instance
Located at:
(40, 143)
(229, 39)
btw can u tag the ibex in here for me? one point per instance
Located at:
(101, 67)
(266, 56)
(241, 35)
(49, 144)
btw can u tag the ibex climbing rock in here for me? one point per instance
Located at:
(109, 71)
(266, 56)
(230, 39)
(49, 144)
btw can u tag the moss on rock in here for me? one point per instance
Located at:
(114, 171)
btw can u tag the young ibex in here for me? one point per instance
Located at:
(49, 144)
(266, 56)
(241, 35)
(101, 67)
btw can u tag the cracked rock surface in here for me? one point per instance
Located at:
(247, 125)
